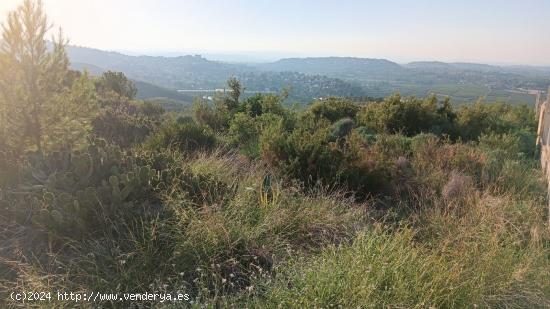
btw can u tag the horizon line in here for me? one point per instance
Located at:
(250, 54)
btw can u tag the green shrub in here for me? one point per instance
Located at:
(341, 128)
(125, 122)
(260, 104)
(118, 83)
(151, 110)
(423, 140)
(334, 109)
(206, 182)
(185, 119)
(517, 145)
(495, 118)
(245, 128)
(310, 156)
(409, 116)
(367, 135)
(205, 115)
(496, 164)
(392, 146)
(302, 154)
(121, 128)
(187, 137)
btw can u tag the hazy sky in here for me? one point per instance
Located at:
(490, 31)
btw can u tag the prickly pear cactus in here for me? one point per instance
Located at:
(71, 193)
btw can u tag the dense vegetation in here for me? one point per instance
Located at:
(403, 202)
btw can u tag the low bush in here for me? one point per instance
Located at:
(121, 128)
(409, 116)
(517, 145)
(496, 118)
(367, 135)
(341, 129)
(334, 109)
(186, 137)
(124, 122)
(207, 116)
(312, 156)
(253, 115)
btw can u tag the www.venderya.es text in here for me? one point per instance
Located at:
(31, 296)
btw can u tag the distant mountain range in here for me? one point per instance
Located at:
(196, 73)
(421, 72)
(322, 76)
(342, 67)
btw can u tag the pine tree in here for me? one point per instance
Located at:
(235, 87)
(34, 97)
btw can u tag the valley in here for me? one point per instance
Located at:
(309, 78)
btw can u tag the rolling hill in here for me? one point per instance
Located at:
(320, 76)
(184, 72)
(144, 90)
(463, 82)
(341, 67)
(161, 76)
(148, 91)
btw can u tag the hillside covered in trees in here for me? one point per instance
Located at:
(244, 202)
(328, 76)
(198, 73)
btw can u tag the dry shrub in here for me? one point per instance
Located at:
(458, 184)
